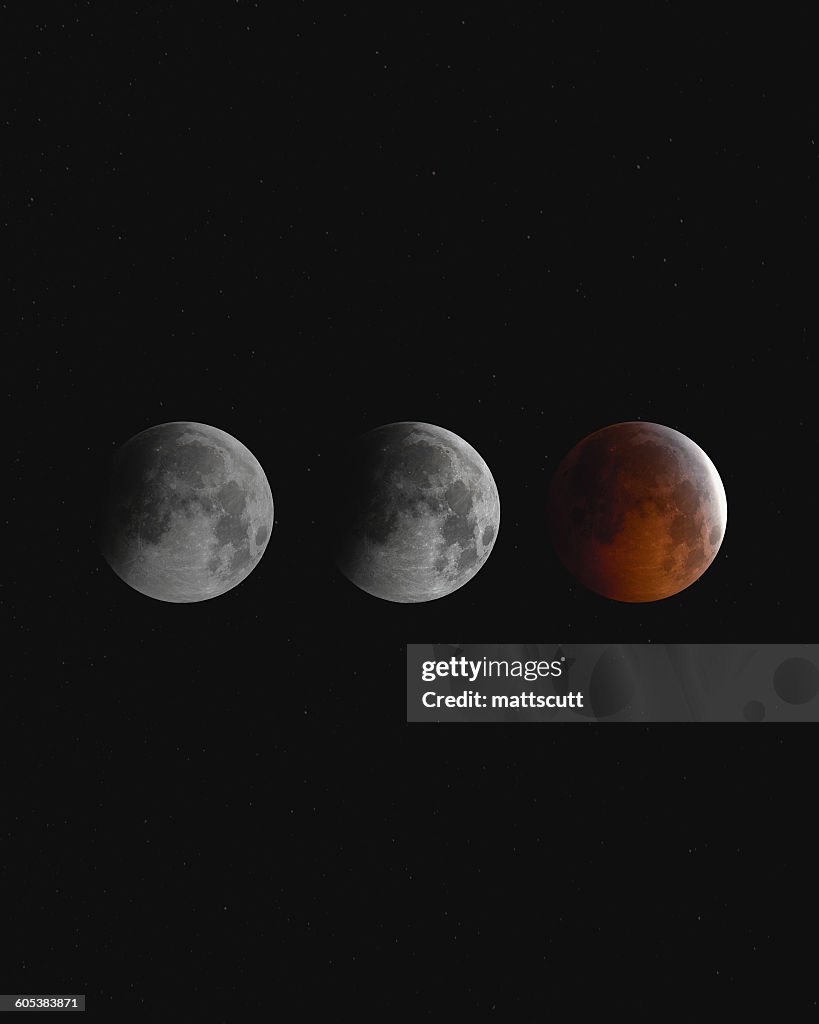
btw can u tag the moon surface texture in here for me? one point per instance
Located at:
(187, 512)
(421, 516)
(637, 511)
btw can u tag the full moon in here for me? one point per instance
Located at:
(637, 511)
(186, 513)
(421, 516)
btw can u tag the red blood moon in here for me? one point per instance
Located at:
(637, 511)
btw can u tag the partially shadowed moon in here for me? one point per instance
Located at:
(420, 513)
(186, 514)
(637, 511)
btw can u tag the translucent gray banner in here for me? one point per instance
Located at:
(743, 683)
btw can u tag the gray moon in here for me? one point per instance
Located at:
(186, 513)
(421, 513)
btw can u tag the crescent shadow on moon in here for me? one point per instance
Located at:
(421, 515)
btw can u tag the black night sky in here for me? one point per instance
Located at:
(296, 225)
